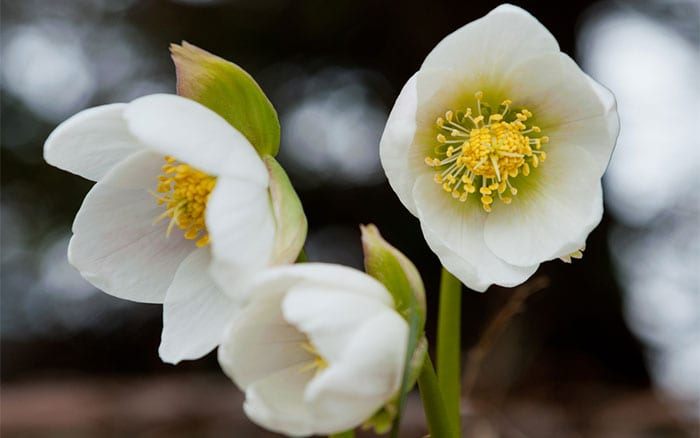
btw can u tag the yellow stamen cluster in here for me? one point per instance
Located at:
(184, 191)
(483, 150)
(317, 364)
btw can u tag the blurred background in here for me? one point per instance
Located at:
(610, 349)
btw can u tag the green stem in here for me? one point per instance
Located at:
(433, 404)
(346, 434)
(449, 345)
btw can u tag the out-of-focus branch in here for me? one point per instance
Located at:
(495, 328)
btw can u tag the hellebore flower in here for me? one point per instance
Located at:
(498, 144)
(179, 193)
(318, 350)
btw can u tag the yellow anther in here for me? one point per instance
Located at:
(463, 197)
(522, 117)
(471, 189)
(441, 138)
(468, 112)
(526, 169)
(513, 191)
(449, 115)
(478, 119)
(454, 133)
(429, 161)
(479, 95)
(485, 191)
(526, 112)
(438, 178)
(450, 151)
(506, 102)
(535, 161)
(543, 156)
(487, 207)
(446, 187)
(495, 118)
(502, 187)
(536, 129)
(440, 122)
(456, 194)
(544, 139)
(184, 191)
(506, 200)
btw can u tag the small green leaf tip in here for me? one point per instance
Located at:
(395, 271)
(229, 91)
(291, 225)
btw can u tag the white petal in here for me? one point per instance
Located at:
(553, 213)
(260, 342)
(190, 132)
(329, 316)
(277, 403)
(493, 44)
(455, 232)
(395, 144)
(569, 106)
(195, 312)
(369, 374)
(241, 226)
(324, 275)
(91, 142)
(115, 244)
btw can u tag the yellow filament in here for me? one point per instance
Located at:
(317, 364)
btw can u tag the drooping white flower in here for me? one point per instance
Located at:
(180, 195)
(318, 350)
(497, 144)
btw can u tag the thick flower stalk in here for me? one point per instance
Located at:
(182, 198)
(498, 144)
(319, 349)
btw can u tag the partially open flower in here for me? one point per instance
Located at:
(497, 144)
(177, 187)
(318, 350)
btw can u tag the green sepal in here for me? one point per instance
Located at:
(396, 272)
(291, 224)
(229, 91)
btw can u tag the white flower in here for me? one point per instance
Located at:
(142, 234)
(497, 144)
(318, 350)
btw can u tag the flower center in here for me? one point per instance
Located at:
(317, 364)
(184, 191)
(484, 150)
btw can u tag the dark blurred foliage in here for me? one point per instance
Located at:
(340, 63)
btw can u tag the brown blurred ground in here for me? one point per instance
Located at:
(209, 406)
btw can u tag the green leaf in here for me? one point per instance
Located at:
(396, 272)
(291, 225)
(228, 90)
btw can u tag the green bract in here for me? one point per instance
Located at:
(290, 220)
(395, 271)
(229, 91)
